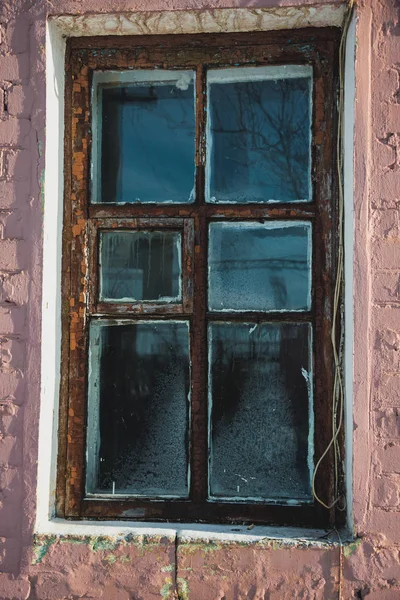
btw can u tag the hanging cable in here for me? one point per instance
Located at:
(338, 389)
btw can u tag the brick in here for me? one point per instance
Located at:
(11, 496)
(386, 83)
(388, 423)
(386, 317)
(9, 554)
(14, 588)
(387, 392)
(12, 354)
(18, 165)
(384, 154)
(386, 223)
(388, 564)
(386, 287)
(19, 100)
(387, 348)
(385, 184)
(10, 516)
(51, 586)
(385, 594)
(10, 252)
(14, 67)
(17, 34)
(383, 204)
(387, 491)
(14, 288)
(393, 116)
(385, 522)
(386, 117)
(14, 194)
(14, 132)
(391, 47)
(12, 319)
(11, 481)
(388, 458)
(12, 387)
(386, 254)
(11, 224)
(10, 451)
(10, 422)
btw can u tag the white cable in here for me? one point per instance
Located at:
(337, 391)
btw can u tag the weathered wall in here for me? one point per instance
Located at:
(145, 568)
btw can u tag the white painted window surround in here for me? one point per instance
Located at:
(218, 20)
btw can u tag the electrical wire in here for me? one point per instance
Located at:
(338, 389)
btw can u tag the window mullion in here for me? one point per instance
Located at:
(199, 413)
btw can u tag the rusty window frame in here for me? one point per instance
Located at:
(318, 48)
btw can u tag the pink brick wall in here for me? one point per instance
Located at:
(61, 568)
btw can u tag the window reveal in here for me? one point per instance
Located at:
(200, 233)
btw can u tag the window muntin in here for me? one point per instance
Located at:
(88, 219)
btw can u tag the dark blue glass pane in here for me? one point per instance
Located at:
(261, 439)
(259, 140)
(147, 142)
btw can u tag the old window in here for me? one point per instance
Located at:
(199, 244)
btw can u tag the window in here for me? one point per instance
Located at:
(200, 234)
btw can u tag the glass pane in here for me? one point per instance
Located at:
(138, 408)
(145, 137)
(140, 266)
(259, 266)
(259, 134)
(261, 411)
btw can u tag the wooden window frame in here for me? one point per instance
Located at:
(82, 220)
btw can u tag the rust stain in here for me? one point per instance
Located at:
(79, 227)
(72, 342)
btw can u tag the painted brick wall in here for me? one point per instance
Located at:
(49, 568)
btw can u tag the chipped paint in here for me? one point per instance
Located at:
(167, 589)
(142, 543)
(183, 588)
(352, 547)
(41, 546)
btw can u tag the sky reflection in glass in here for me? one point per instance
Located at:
(259, 135)
(146, 137)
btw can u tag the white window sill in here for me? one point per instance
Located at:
(287, 536)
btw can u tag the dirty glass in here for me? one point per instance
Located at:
(261, 411)
(259, 266)
(146, 137)
(140, 266)
(259, 134)
(138, 408)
